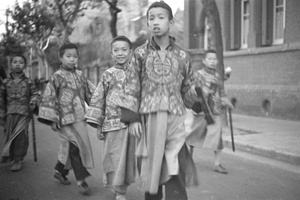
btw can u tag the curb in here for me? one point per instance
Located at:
(257, 150)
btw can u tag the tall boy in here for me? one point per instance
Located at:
(210, 136)
(18, 98)
(105, 115)
(63, 108)
(161, 81)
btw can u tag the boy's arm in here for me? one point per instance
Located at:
(2, 102)
(188, 92)
(48, 108)
(132, 86)
(34, 95)
(90, 88)
(96, 111)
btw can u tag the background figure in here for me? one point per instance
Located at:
(18, 98)
(63, 107)
(105, 115)
(210, 136)
(160, 83)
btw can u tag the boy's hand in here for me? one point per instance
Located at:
(32, 107)
(2, 122)
(55, 126)
(226, 102)
(135, 129)
(100, 134)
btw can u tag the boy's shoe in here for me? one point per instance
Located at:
(16, 166)
(219, 168)
(62, 178)
(121, 197)
(84, 188)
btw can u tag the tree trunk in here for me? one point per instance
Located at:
(114, 16)
(215, 42)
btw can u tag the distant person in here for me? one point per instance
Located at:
(160, 83)
(63, 108)
(210, 136)
(105, 115)
(18, 98)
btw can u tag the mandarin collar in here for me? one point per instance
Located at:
(67, 69)
(210, 70)
(21, 77)
(155, 46)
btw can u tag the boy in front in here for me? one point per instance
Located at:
(161, 79)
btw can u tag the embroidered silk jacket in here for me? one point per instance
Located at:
(103, 108)
(64, 97)
(210, 81)
(16, 96)
(165, 83)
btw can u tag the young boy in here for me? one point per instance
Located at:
(18, 98)
(103, 113)
(210, 136)
(63, 107)
(161, 85)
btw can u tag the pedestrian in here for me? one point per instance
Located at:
(18, 98)
(63, 108)
(161, 85)
(201, 134)
(105, 115)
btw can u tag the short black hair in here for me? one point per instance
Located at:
(121, 38)
(65, 46)
(209, 51)
(18, 55)
(161, 4)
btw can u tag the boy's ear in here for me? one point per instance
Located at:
(172, 21)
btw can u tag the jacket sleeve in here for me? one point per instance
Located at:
(96, 111)
(48, 110)
(187, 92)
(132, 87)
(2, 101)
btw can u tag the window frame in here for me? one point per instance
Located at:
(244, 36)
(278, 40)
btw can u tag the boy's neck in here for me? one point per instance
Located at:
(163, 41)
(17, 75)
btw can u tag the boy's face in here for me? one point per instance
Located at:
(17, 64)
(158, 21)
(69, 58)
(121, 52)
(210, 60)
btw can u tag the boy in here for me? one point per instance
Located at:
(210, 136)
(105, 115)
(161, 85)
(63, 107)
(18, 98)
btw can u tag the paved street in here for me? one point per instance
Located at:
(250, 177)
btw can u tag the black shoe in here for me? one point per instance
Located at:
(62, 178)
(84, 188)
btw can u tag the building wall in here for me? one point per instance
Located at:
(265, 80)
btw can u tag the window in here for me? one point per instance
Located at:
(245, 23)
(273, 22)
(279, 21)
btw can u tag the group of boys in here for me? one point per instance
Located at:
(139, 110)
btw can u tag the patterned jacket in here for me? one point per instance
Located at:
(210, 81)
(16, 97)
(165, 83)
(64, 97)
(103, 108)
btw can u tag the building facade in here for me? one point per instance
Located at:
(261, 40)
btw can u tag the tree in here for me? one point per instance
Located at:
(32, 25)
(211, 13)
(114, 16)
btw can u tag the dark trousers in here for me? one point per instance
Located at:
(79, 170)
(175, 187)
(19, 146)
